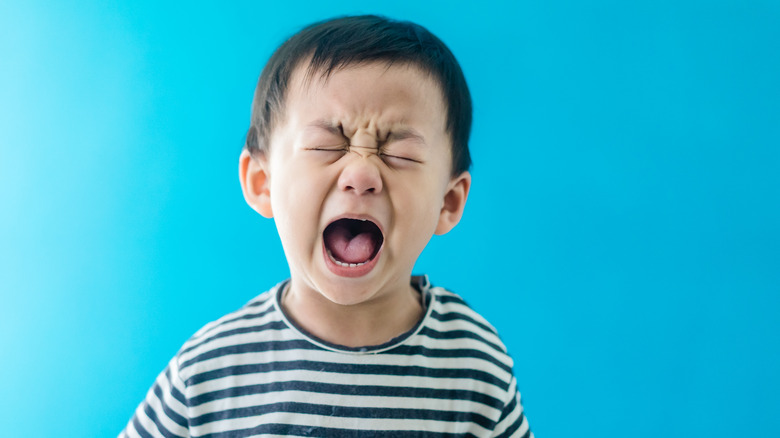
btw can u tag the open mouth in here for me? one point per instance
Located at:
(351, 243)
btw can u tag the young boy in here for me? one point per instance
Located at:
(358, 148)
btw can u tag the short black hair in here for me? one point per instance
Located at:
(344, 41)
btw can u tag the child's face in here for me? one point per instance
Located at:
(358, 179)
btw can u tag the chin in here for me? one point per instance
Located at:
(347, 294)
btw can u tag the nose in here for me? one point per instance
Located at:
(360, 176)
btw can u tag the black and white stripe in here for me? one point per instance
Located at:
(254, 372)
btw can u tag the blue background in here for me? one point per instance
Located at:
(622, 232)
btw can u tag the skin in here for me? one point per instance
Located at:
(367, 142)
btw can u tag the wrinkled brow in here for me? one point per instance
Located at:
(406, 134)
(327, 125)
(394, 135)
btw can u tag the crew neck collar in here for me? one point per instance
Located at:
(420, 283)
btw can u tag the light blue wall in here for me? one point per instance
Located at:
(623, 231)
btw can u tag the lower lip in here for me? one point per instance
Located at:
(350, 271)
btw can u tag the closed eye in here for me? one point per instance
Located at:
(334, 148)
(327, 154)
(399, 159)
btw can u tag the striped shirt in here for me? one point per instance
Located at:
(255, 373)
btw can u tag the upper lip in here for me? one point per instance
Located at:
(362, 217)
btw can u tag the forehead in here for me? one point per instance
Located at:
(378, 94)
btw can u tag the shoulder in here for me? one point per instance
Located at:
(453, 324)
(451, 312)
(225, 335)
(253, 311)
(452, 307)
(456, 337)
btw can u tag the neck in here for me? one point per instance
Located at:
(359, 325)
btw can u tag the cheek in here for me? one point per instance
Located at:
(297, 196)
(419, 209)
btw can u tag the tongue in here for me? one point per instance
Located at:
(349, 248)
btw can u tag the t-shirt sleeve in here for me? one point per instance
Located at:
(163, 413)
(513, 423)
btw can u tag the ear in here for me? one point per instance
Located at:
(255, 183)
(454, 203)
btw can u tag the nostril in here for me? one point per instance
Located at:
(360, 177)
(370, 189)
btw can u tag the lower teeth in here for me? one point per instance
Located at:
(343, 264)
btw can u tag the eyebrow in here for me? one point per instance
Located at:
(326, 125)
(406, 133)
